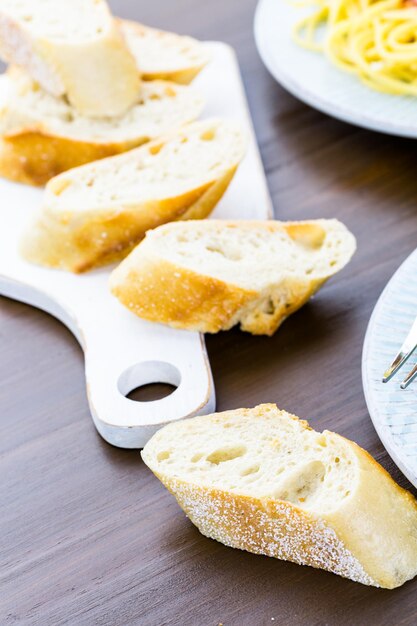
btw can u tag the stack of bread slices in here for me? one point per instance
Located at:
(83, 85)
(100, 110)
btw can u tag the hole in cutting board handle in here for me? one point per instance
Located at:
(151, 392)
(140, 375)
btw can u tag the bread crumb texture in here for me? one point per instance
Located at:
(159, 107)
(161, 54)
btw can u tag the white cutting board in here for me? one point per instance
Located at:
(121, 351)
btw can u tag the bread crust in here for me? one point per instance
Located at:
(80, 242)
(194, 300)
(201, 303)
(371, 538)
(34, 157)
(67, 69)
(385, 514)
(270, 528)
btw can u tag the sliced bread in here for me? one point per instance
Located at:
(73, 48)
(163, 55)
(95, 214)
(42, 136)
(223, 273)
(261, 480)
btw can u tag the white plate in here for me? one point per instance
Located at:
(309, 76)
(122, 351)
(393, 410)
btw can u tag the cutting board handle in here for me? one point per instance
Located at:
(121, 355)
(117, 367)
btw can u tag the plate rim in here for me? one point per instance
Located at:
(312, 99)
(374, 413)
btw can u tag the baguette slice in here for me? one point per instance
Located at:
(95, 214)
(163, 55)
(43, 136)
(224, 273)
(261, 480)
(73, 48)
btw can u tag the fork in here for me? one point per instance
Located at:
(405, 352)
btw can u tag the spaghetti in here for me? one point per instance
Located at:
(374, 39)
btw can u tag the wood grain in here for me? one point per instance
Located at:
(87, 535)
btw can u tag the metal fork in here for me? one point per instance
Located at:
(405, 352)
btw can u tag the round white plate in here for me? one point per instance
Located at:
(393, 410)
(309, 76)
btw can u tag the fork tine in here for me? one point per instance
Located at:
(409, 378)
(398, 362)
(405, 352)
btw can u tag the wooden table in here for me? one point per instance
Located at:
(87, 534)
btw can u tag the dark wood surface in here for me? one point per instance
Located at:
(87, 534)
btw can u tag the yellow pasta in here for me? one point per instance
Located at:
(374, 39)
